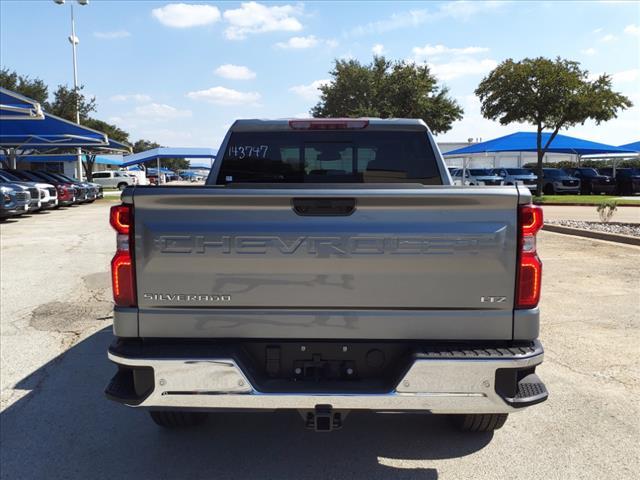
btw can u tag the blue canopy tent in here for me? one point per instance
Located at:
(14, 106)
(526, 142)
(48, 133)
(67, 157)
(634, 146)
(159, 153)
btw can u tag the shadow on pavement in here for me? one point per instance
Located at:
(65, 428)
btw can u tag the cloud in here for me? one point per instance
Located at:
(460, 10)
(235, 72)
(332, 43)
(130, 97)
(626, 76)
(112, 35)
(377, 49)
(298, 43)
(253, 17)
(147, 115)
(608, 38)
(225, 96)
(309, 92)
(589, 51)
(421, 53)
(462, 67)
(182, 15)
(632, 30)
(463, 10)
(160, 111)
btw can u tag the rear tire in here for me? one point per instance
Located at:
(478, 423)
(122, 186)
(177, 419)
(549, 190)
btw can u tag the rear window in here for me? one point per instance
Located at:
(519, 171)
(329, 157)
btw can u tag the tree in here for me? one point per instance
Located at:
(550, 94)
(143, 145)
(65, 100)
(387, 89)
(113, 132)
(31, 88)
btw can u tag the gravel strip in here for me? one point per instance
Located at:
(631, 229)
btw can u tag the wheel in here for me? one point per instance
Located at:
(177, 419)
(485, 422)
(548, 189)
(122, 186)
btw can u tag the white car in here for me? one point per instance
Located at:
(113, 179)
(476, 176)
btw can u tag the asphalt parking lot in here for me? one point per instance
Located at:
(56, 423)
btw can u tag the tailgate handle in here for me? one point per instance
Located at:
(323, 206)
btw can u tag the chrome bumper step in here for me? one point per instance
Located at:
(439, 380)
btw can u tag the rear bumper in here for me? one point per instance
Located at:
(491, 380)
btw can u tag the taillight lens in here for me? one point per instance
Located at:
(529, 275)
(120, 218)
(122, 266)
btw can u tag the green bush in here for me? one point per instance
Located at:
(606, 210)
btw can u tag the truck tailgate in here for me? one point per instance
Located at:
(410, 263)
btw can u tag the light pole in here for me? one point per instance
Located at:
(74, 40)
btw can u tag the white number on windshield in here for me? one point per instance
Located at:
(248, 151)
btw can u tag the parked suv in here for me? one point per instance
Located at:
(592, 182)
(13, 201)
(34, 203)
(627, 179)
(484, 176)
(67, 192)
(114, 179)
(481, 177)
(48, 194)
(556, 180)
(88, 191)
(517, 176)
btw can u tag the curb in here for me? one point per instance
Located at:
(610, 237)
(545, 204)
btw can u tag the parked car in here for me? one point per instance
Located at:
(591, 181)
(456, 176)
(13, 201)
(556, 180)
(48, 193)
(35, 203)
(477, 176)
(517, 176)
(627, 179)
(113, 179)
(88, 192)
(67, 192)
(140, 176)
(318, 295)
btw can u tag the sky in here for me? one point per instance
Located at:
(181, 73)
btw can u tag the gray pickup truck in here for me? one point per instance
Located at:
(327, 265)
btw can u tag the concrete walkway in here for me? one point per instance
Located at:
(589, 214)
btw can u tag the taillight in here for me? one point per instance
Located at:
(529, 273)
(327, 124)
(122, 266)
